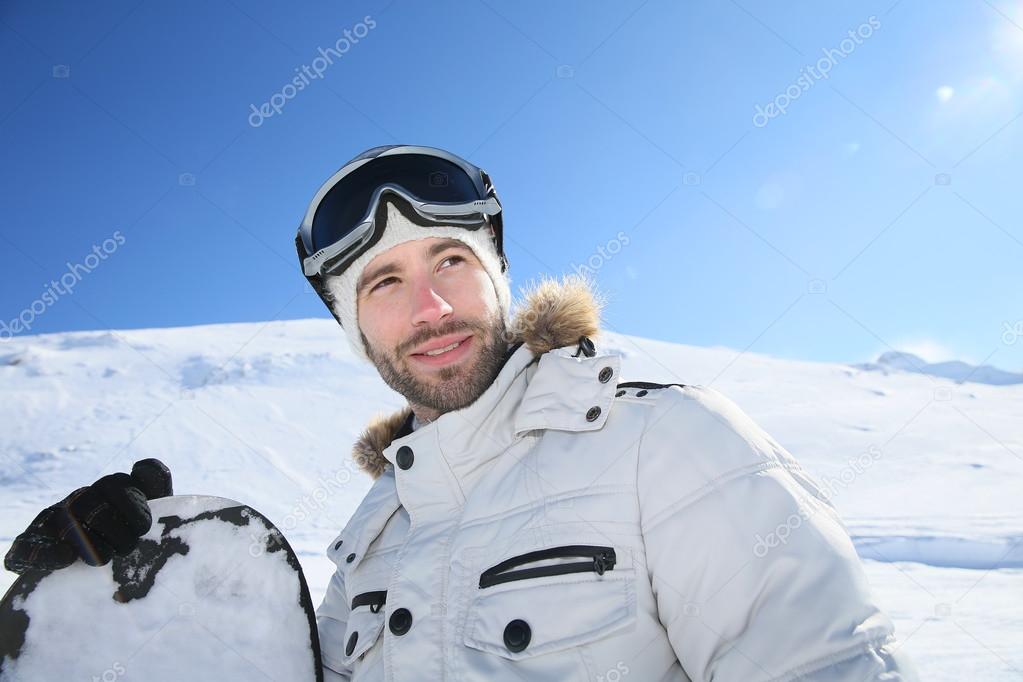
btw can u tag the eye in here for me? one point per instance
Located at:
(453, 259)
(382, 282)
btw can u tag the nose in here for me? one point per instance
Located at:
(428, 306)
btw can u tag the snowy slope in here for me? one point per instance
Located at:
(926, 472)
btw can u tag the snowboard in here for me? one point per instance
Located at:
(212, 592)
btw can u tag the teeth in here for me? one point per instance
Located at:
(456, 344)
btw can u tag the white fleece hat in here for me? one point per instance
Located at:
(397, 230)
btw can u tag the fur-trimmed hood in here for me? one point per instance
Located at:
(552, 314)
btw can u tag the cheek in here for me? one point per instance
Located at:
(376, 321)
(473, 295)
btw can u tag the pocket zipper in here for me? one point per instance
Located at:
(600, 559)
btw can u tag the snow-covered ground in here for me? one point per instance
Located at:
(927, 472)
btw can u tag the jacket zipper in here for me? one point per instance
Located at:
(600, 559)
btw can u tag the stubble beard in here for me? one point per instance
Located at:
(449, 388)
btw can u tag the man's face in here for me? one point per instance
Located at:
(426, 295)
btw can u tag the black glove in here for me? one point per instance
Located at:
(94, 523)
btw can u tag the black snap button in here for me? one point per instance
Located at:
(641, 393)
(404, 457)
(350, 558)
(605, 375)
(338, 545)
(592, 413)
(350, 647)
(517, 635)
(400, 622)
(620, 393)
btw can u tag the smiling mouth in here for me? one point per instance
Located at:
(445, 349)
(451, 352)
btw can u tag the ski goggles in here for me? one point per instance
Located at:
(340, 223)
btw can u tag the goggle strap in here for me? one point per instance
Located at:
(316, 282)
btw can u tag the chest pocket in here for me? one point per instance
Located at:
(552, 599)
(366, 584)
(365, 623)
(365, 553)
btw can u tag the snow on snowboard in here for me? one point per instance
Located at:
(212, 592)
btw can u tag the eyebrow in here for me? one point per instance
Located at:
(389, 268)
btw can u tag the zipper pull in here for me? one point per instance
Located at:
(603, 562)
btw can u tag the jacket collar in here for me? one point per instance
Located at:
(553, 316)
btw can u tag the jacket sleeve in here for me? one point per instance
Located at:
(754, 574)
(331, 621)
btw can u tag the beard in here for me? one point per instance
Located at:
(452, 387)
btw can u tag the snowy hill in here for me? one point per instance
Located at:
(927, 472)
(956, 370)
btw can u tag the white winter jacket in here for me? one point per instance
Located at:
(567, 526)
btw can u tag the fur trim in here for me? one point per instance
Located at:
(556, 313)
(368, 452)
(553, 314)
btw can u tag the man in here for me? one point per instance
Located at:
(532, 517)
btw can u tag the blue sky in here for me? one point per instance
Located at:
(879, 211)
